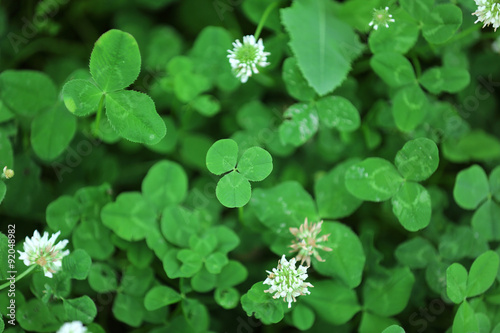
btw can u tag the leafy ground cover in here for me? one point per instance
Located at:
(250, 166)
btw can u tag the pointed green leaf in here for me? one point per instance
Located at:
(233, 190)
(222, 156)
(471, 187)
(418, 159)
(338, 112)
(255, 164)
(81, 97)
(373, 179)
(133, 115)
(115, 61)
(482, 273)
(323, 45)
(456, 283)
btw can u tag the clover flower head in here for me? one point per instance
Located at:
(44, 252)
(287, 281)
(381, 17)
(245, 58)
(488, 12)
(7, 173)
(307, 243)
(73, 327)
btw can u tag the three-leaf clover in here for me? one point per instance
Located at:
(233, 189)
(115, 64)
(376, 179)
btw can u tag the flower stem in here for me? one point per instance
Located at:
(240, 214)
(99, 115)
(19, 277)
(263, 19)
(416, 64)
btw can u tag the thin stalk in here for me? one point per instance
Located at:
(99, 115)
(240, 214)
(263, 19)
(19, 277)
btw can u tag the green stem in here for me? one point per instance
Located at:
(19, 277)
(263, 19)
(99, 115)
(416, 64)
(240, 214)
(464, 33)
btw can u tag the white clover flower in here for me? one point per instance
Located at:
(44, 252)
(381, 17)
(7, 173)
(244, 58)
(307, 242)
(288, 282)
(73, 327)
(488, 12)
